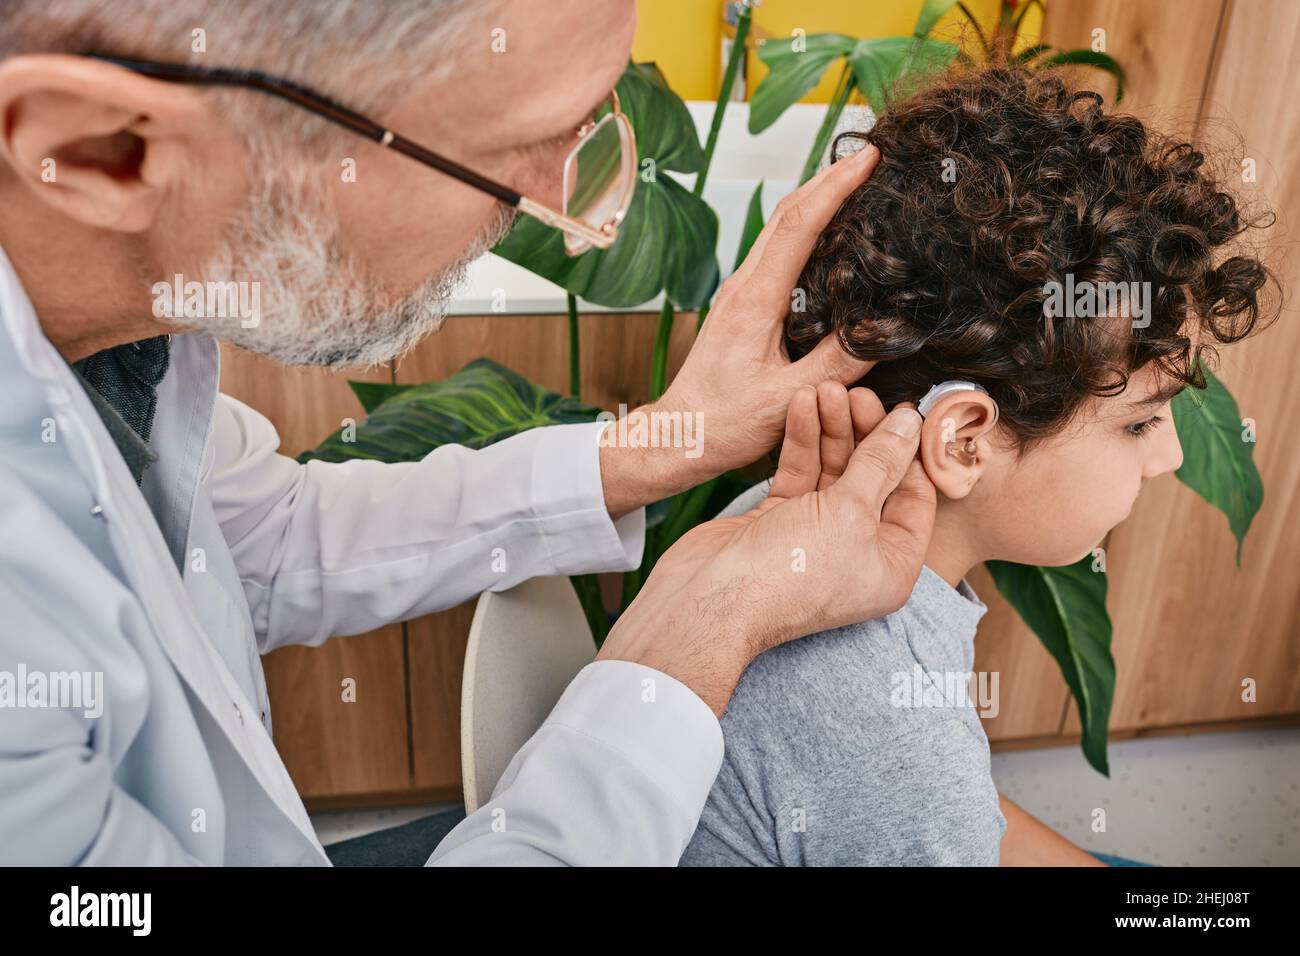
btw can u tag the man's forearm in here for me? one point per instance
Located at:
(1029, 842)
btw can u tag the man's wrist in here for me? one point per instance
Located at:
(651, 454)
(706, 652)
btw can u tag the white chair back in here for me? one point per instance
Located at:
(525, 646)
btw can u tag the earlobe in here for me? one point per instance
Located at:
(83, 135)
(954, 441)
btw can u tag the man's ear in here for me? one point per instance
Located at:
(955, 441)
(94, 140)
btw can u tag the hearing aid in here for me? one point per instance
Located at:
(966, 453)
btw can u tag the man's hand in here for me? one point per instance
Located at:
(736, 374)
(840, 539)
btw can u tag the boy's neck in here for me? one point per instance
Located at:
(951, 554)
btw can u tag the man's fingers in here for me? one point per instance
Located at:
(784, 244)
(882, 458)
(907, 520)
(837, 431)
(799, 466)
(829, 360)
(866, 411)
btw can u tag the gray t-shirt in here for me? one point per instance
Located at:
(858, 746)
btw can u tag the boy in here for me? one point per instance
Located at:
(1058, 262)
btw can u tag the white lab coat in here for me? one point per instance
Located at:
(180, 767)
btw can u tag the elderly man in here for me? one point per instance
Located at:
(135, 147)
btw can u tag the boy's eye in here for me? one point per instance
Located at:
(1139, 428)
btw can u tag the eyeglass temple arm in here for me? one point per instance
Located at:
(322, 106)
(349, 119)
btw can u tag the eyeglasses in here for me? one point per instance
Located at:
(599, 172)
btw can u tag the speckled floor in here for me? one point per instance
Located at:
(1229, 799)
(1226, 799)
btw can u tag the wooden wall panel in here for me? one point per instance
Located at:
(1165, 47)
(1190, 625)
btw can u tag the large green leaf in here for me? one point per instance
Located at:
(482, 403)
(1218, 463)
(794, 67)
(668, 240)
(1102, 61)
(1066, 608)
(932, 12)
(373, 394)
(879, 64)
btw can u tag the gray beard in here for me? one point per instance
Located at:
(317, 306)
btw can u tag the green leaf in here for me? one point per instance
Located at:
(932, 12)
(879, 64)
(1103, 61)
(1066, 608)
(753, 225)
(1024, 56)
(373, 394)
(794, 66)
(1218, 464)
(587, 587)
(663, 124)
(668, 240)
(481, 404)
(1024, 10)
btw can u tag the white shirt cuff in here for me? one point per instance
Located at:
(654, 721)
(569, 500)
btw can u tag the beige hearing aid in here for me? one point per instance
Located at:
(967, 452)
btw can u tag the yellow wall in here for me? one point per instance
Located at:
(684, 36)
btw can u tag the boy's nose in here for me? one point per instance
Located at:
(1168, 453)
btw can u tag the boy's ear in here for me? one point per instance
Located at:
(955, 441)
(94, 140)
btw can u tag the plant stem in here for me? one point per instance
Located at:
(659, 362)
(631, 585)
(575, 357)
(587, 587)
(970, 18)
(843, 88)
(728, 80)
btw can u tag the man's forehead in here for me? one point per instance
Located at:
(533, 70)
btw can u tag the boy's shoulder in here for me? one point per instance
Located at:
(852, 687)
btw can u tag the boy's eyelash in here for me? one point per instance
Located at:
(1138, 428)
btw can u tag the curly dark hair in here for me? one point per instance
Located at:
(947, 277)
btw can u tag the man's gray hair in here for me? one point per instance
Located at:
(363, 53)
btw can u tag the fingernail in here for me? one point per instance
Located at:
(904, 421)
